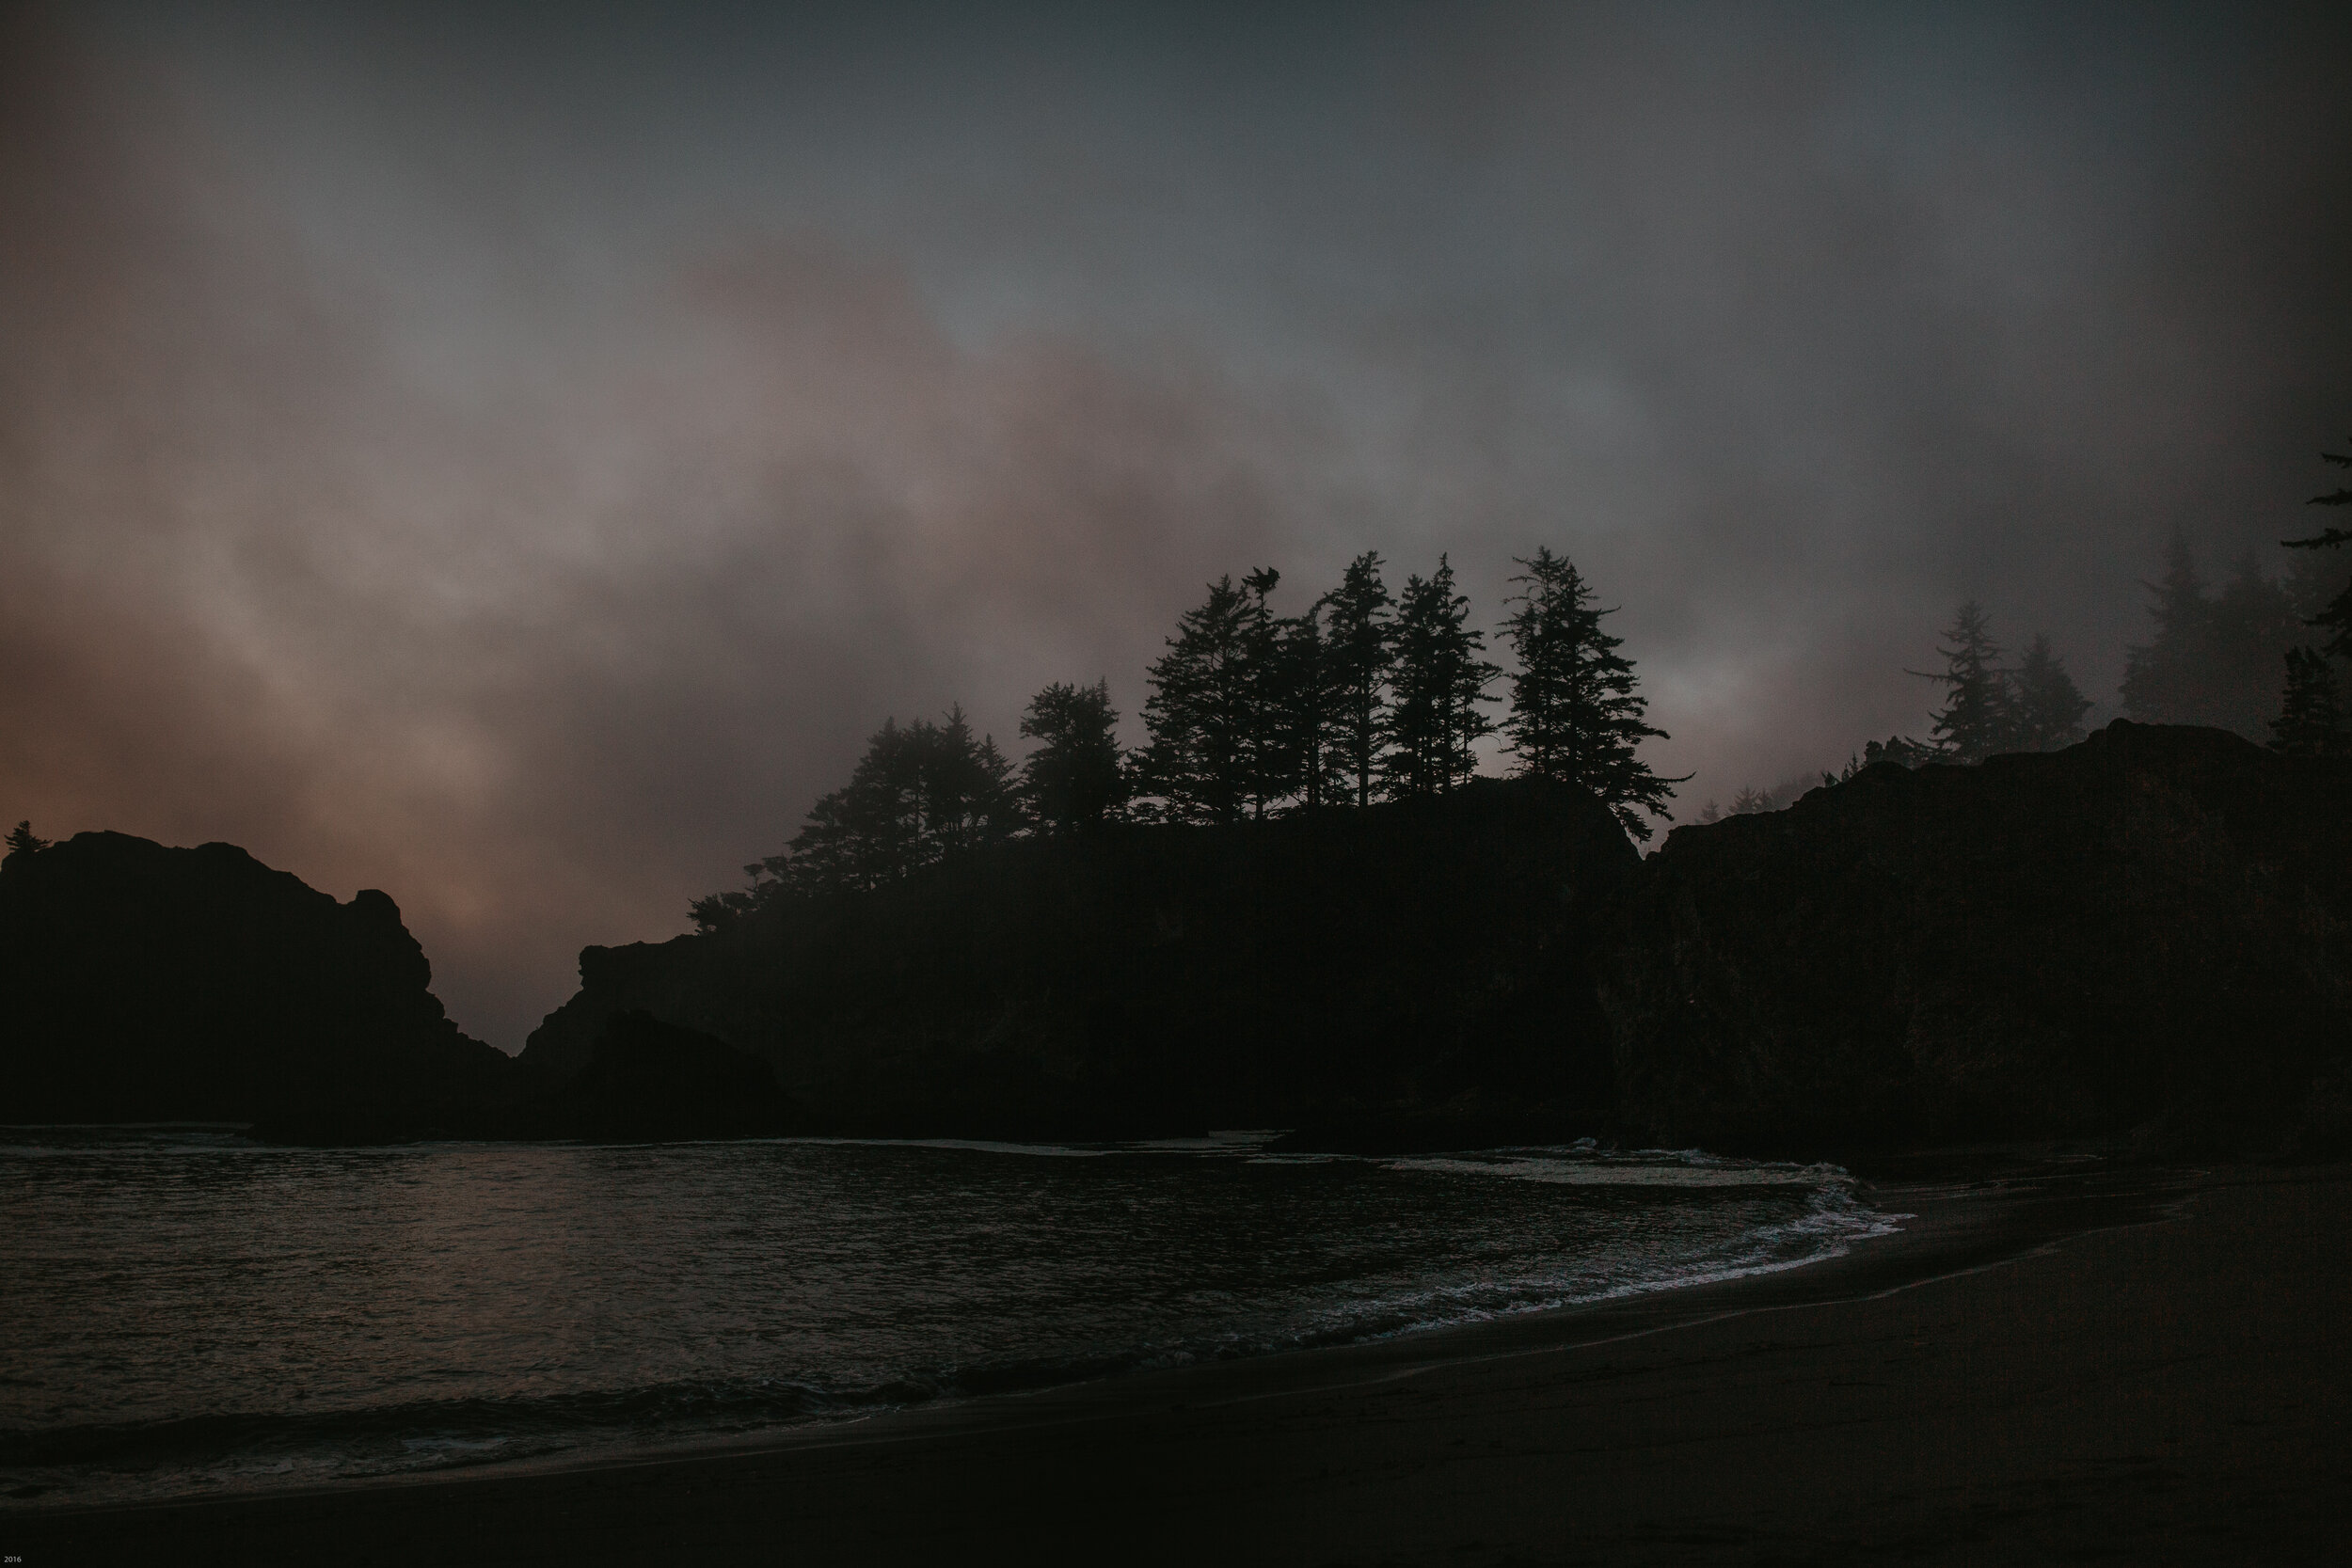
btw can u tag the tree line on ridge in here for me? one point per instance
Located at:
(1363, 695)
(2214, 659)
(1368, 695)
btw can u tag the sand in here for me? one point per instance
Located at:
(1999, 1385)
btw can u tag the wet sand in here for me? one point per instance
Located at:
(2132, 1368)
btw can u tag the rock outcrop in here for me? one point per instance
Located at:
(2151, 929)
(1412, 971)
(648, 1081)
(141, 983)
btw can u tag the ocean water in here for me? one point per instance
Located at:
(192, 1314)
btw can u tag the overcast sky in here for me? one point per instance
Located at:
(511, 456)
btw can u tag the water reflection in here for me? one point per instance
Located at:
(191, 1312)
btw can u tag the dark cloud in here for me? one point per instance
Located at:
(514, 464)
(543, 664)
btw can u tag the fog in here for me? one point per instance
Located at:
(511, 456)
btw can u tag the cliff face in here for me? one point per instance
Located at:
(146, 983)
(2156, 925)
(1409, 960)
(2150, 929)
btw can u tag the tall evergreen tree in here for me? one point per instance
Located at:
(2314, 578)
(966, 788)
(1360, 643)
(1073, 780)
(1574, 714)
(2251, 626)
(1554, 690)
(920, 792)
(1272, 752)
(1302, 752)
(21, 840)
(1976, 719)
(2336, 618)
(2214, 659)
(2311, 720)
(1206, 711)
(2310, 723)
(866, 833)
(1439, 681)
(2047, 708)
(2164, 679)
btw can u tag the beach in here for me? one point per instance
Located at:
(2074, 1366)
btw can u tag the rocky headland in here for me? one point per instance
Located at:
(148, 984)
(2145, 939)
(2148, 933)
(1415, 972)
(153, 984)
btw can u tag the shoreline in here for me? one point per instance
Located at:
(1938, 1226)
(2030, 1280)
(106, 1469)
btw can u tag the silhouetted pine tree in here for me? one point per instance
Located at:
(967, 788)
(1359, 649)
(1206, 711)
(1074, 779)
(1271, 750)
(1976, 719)
(1556, 688)
(1301, 757)
(919, 793)
(21, 840)
(2214, 661)
(2252, 625)
(1574, 715)
(1437, 682)
(855, 836)
(2163, 679)
(2046, 707)
(2311, 720)
(2336, 618)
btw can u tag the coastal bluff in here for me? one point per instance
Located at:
(2147, 932)
(143, 983)
(2145, 939)
(148, 984)
(1413, 972)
